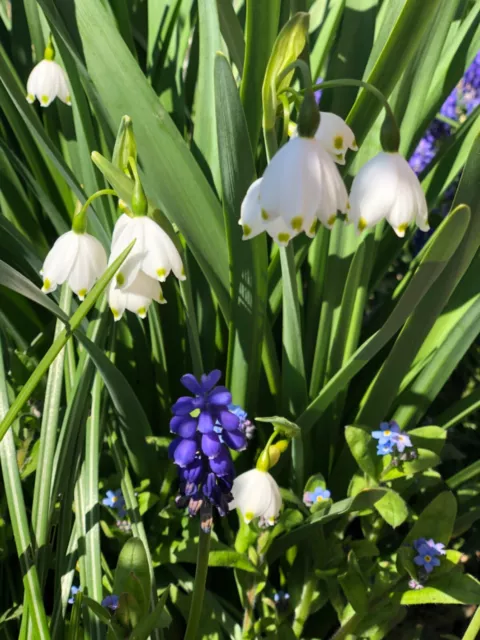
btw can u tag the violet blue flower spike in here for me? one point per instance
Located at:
(207, 426)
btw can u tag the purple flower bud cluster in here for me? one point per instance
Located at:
(206, 428)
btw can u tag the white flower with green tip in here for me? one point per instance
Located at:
(48, 81)
(137, 297)
(76, 258)
(153, 253)
(256, 495)
(387, 188)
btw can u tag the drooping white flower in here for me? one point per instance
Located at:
(300, 184)
(137, 297)
(335, 136)
(153, 252)
(253, 223)
(76, 258)
(386, 187)
(46, 82)
(256, 494)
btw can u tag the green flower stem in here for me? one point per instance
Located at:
(79, 222)
(473, 630)
(303, 610)
(199, 586)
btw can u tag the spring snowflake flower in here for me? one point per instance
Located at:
(76, 258)
(110, 602)
(301, 184)
(335, 136)
(115, 500)
(205, 429)
(256, 495)
(428, 552)
(48, 81)
(137, 297)
(316, 496)
(386, 187)
(153, 253)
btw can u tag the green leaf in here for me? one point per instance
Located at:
(132, 574)
(128, 612)
(261, 26)
(97, 609)
(363, 448)
(363, 500)
(432, 438)
(183, 192)
(425, 460)
(393, 509)
(248, 259)
(354, 584)
(157, 619)
(453, 588)
(232, 32)
(220, 555)
(436, 520)
(282, 425)
(288, 46)
(447, 239)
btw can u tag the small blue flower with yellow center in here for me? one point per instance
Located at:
(317, 496)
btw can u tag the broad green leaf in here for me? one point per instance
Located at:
(248, 259)
(425, 460)
(436, 520)
(432, 438)
(453, 588)
(354, 584)
(129, 612)
(288, 46)
(158, 618)
(232, 32)
(282, 425)
(261, 27)
(363, 500)
(363, 448)
(393, 509)
(182, 192)
(132, 567)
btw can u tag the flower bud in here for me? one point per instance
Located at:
(263, 462)
(309, 116)
(390, 135)
(125, 145)
(139, 200)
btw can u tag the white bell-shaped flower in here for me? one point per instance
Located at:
(335, 136)
(302, 183)
(256, 495)
(387, 187)
(137, 297)
(253, 223)
(76, 258)
(153, 252)
(46, 82)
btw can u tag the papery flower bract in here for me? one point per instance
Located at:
(115, 500)
(73, 592)
(47, 81)
(386, 187)
(318, 495)
(300, 184)
(335, 136)
(111, 602)
(256, 495)
(76, 258)
(137, 297)
(154, 252)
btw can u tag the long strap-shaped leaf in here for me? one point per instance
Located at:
(448, 238)
(18, 517)
(8, 276)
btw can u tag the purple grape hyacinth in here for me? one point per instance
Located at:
(206, 430)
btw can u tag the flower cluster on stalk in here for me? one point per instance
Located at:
(393, 441)
(206, 429)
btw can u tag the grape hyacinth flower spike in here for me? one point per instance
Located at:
(48, 80)
(206, 430)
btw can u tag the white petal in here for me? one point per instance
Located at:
(59, 261)
(251, 212)
(89, 265)
(254, 494)
(335, 136)
(161, 255)
(291, 185)
(280, 231)
(137, 297)
(63, 90)
(129, 229)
